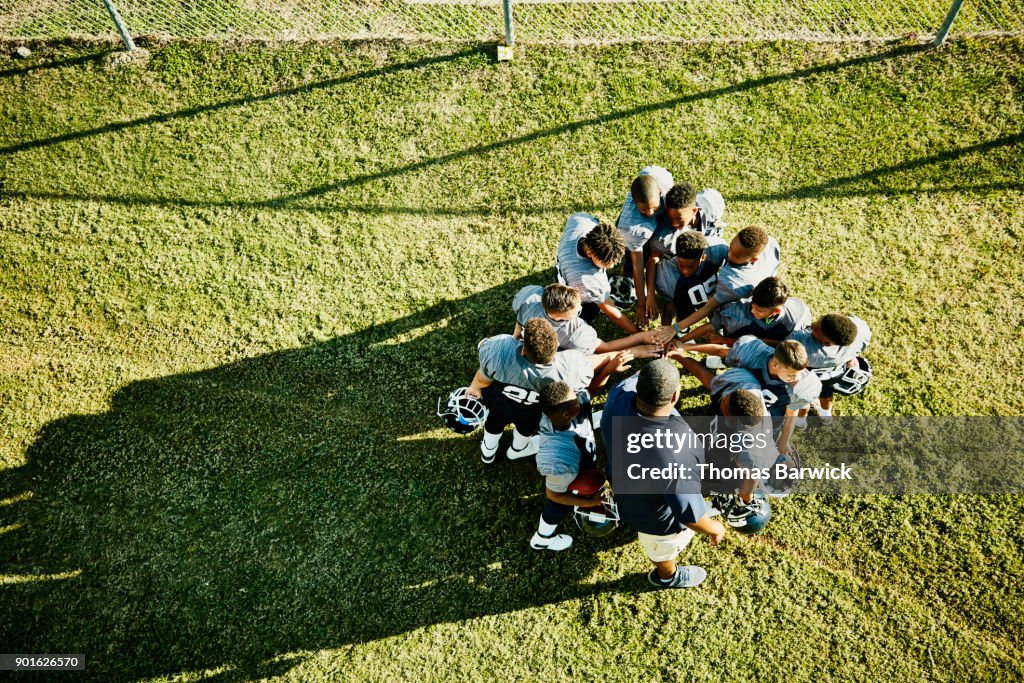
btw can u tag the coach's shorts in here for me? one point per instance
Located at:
(665, 548)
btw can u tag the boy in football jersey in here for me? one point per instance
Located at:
(786, 385)
(753, 255)
(687, 280)
(560, 306)
(638, 222)
(512, 372)
(586, 250)
(666, 523)
(833, 343)
(566, 447)
(771, 316)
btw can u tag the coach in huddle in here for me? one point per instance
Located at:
(666, 521)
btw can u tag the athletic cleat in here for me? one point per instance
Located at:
(824, 418)
(687, 576)
(557, 543)
(531, 449)
(800, 423)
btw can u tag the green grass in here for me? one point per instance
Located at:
(235, 283)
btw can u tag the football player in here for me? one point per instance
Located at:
(833, 343)
(786, 385)
(586, 250)
(687, 280)
(566, 447)
(513, 371)
(560, 306)
(771, 315)
(638, 222)
(753, 255)
(666, 522)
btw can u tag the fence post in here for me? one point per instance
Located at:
(505, 51)
(954, 10)
(119, 22)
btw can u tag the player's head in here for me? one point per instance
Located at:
(747, 245)
(690, 246)
(768, 298)
(789, 360)
(646, 194)
(834, 330)
(681, 205)
(561, 302)
(657, 387)
(560, 403)
(604, 245)
(540, 343)
(744, 404)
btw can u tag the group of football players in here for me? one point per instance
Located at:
(779, 362)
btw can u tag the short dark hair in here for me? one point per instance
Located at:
(645, 190)
(747, 406)
(658, 383)
(792, 354)
(681, 196)
(540, 340)
(753, 239)
(839, 329)
(606, 244)
(770, 293)
(558, 298)
(690, 244)
(555, 396)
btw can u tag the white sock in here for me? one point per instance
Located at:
(546, 530)
(519, 442)
(822, 411)
(491, 440)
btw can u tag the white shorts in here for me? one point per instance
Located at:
(665, 548)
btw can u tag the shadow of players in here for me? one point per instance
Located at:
(300, 500)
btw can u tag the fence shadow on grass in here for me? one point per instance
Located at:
(296, 501)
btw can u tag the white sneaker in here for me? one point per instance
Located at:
(531, 449)
(713, 363)
(556, 543)
(800, 423)
(487, 454)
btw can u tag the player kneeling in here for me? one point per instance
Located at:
(566, 458)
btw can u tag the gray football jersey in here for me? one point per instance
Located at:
(576, 270)
(751, 353)
(820, 356)
(501, 360)
(732, 380)
(735, 320)
(635, 227)
(572, 334)
(561, 451)
(737, 282)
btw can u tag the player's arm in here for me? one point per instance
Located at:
(479, 383)
(788, 425)
(697, 332)
(711, 528)
(617, 316)
(636, 259)
(567, 498)
(668, 313)
(652, 288)
(720, 350)
(746, 491)
(637, 339)
(518, 332)
(701, 313)
(611, 364)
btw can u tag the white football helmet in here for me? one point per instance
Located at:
(623, 291)
(462, 413)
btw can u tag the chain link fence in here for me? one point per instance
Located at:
(535, 21)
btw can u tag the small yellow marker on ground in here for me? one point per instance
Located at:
(504, 53)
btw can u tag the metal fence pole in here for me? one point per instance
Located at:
(940, 37)
(510, 37)
(119, 22)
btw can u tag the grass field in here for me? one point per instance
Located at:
(234, 284)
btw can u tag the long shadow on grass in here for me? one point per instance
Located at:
(300, 500)
(54, 64)
(227, 104)
(477, 150)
